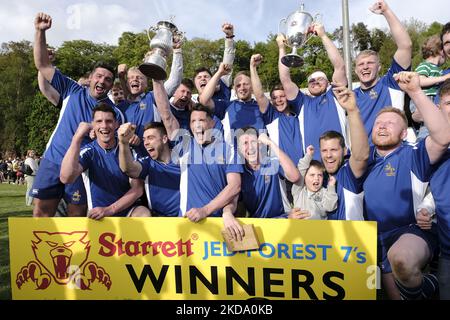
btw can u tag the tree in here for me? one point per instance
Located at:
(76, 58)
(361, 36)
(41, 122)
(18, 76)
(132, 48)
(377, 38)
(202, 53)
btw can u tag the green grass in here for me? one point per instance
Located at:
(12, 204)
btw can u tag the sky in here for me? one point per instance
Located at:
(104, 21)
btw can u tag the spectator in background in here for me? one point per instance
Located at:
(430, 76)
(117, 93)
(30, 161)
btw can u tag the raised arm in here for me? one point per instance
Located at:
(122, 74)
(435, 119)
(42, 22)
(70, 166)
(176, 70)
(126, 162)
(398, 31)
(358, 136)
(258, 91)
(229, 52)
(303, 163)
(339, 76)
(290, 170)
(47, 90)
(162, 103)
(330, 199)
(206, 97)
(431, 81)
(290, 88)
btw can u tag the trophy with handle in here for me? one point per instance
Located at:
(154, 65)
(296, 28)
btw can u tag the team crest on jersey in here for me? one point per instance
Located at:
(76, 196)
(389, 170)
(373, 94)
(220, 159)
(142, 105)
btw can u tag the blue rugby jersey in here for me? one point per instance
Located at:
(241, 114)
(440, 188)
(318, 115)
(285, 131)
(162, 186)
(386, 93)
(141, 112)
(395, 185)
(350, 195)
(77, 106)
(261, 191)
(203, 173)
(221, 100)
(105, 183)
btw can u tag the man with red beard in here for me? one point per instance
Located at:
(77, 106)
(396, 183)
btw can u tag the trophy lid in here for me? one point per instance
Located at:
(302, 11)
(168, 25)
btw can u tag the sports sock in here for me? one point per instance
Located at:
(426, 290)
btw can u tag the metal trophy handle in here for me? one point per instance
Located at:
(151, 29)
(282, 30)
(317, 19)
(179, 36)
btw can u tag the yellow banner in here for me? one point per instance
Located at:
(172, 258)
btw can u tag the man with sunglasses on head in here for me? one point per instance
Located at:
(318, 112)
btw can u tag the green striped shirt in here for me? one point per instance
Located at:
(429, 70)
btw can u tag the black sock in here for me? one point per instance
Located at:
(426, 290)
(430, 286)
(409, 293)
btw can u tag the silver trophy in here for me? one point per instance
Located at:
(296, 28)
(154, 65)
